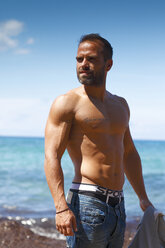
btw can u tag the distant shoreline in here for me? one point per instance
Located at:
(42, 137)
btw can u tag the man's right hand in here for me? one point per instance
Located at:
(66, 223)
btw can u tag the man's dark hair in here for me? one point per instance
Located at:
(107, 48)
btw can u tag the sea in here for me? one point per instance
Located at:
(25, 196)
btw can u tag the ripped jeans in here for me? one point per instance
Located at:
(99, 225)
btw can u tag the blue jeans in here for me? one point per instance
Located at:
(99, 224)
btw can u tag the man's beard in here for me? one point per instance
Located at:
(91, 79)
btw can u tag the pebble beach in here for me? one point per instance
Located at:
(13, 234)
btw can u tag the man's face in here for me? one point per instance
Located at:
(90, 63)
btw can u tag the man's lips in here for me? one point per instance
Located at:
(85, 72)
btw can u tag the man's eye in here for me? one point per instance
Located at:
(79, 60)
(91, 58)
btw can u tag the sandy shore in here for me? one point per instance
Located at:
(15, 235)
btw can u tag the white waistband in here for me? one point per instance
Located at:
(97, 189)
(87, 187)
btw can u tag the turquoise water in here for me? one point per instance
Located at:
(23, 186)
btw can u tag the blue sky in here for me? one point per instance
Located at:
(38, 45)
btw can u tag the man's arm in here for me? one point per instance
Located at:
(133, 170)
(56, 137)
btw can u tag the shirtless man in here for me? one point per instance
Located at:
(93, 125)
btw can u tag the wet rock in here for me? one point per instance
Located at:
(15, 235)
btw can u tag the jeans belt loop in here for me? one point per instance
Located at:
(107, 198)
(119, 198)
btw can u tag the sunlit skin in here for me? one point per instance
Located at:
(93, 125)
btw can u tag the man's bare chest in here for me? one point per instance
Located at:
(110, 118)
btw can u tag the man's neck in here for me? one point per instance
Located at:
(95, 92)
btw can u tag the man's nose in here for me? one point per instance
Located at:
(85, 64)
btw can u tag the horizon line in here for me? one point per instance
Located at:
(42, 137)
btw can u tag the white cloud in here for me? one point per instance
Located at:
(7, 42)
(22, 51)
(30, 41)
(23, 117)
(9, 34)
(8, 30)
(11, 27)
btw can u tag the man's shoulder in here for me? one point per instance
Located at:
(67, 101)
(116, 97)
(120, 100)
(74, 93)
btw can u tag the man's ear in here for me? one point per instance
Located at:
(109, 64)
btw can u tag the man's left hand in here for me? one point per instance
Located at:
(145, 203)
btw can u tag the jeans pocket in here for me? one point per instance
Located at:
(92, 215)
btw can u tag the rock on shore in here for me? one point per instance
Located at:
(15, 235)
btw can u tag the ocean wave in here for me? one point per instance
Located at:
(53, 234)
(14, 211)
(41, 226)
(9, 207)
